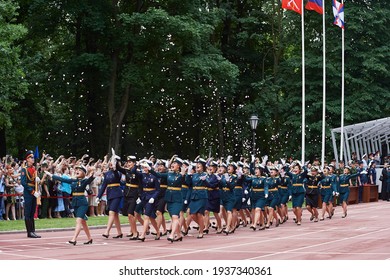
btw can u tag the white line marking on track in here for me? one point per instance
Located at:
(321, 244)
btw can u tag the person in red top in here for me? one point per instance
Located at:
(28, 179)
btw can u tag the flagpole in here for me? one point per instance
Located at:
(342, 92)
(303, 85)
(323, 86)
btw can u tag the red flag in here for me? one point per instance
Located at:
(294, 5)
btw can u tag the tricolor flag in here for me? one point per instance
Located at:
(338, 12)
(294, 5)
(315, 5)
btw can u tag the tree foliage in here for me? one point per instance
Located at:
(183, 77)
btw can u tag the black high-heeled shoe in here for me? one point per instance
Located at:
(170, 239)
(88, 242)
(199, 236)
(206, 231)
(141, 239)
(252, 227)
(185, 232)
(105, 235)
(134, 237)
(219, 231)
(129, 235)
(72, 242)
(178, 239)
(118, 236)
(157, 236)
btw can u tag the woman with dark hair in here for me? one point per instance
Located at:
(298, 175)
(258, 199)
(228, 182)
(173, 196)
(344, 181)
(79, 201)
(111, 182)
(150, 186)
(328, 189)
(198, 195)
(273, 199)
(213, 197)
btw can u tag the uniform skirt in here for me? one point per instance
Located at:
(227, 200)
(212, 205)
(174, 208)
(326, 196)
(344, 196)
(129, 204)
(259, 202)
(114, 204)
(273, 199)
(283, 196)
(297, 199)
(81, 212)
(312, 200)
(198, 206)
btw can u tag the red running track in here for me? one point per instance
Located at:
(363, 235)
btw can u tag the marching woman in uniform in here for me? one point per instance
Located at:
(214, 197)
(150, 189)
(198, 195)
(79, 201)
(285, 189)
(173, 196)
(28, 180)
(111, 182)
(228, 183)
(257, 198)
(344, 188)
(327, 190)
(311, 183)
(186, 182)
(271, 187)
(131, 194)
(298, 190)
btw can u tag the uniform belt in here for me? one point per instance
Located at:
(283, 187)
(174, 188)
(163, 186)
(258, 190)
(77, 193)
(226, 189)
(184, 186)
(312, 187)
(273, 190)
(113, 185)
(344, 185)
(211, 189)
(238, 187)
(199, 188)
(131, 185)
(297, 185)
(325, 187)
(31, 184)
(149, 189)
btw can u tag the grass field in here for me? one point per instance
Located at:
(58, 223)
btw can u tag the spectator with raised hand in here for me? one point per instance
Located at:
(10, 192)
(2, 190)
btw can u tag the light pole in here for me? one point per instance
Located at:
(253, 121)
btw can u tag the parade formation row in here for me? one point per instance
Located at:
(252, 192)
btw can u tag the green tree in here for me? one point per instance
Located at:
(12, 79)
